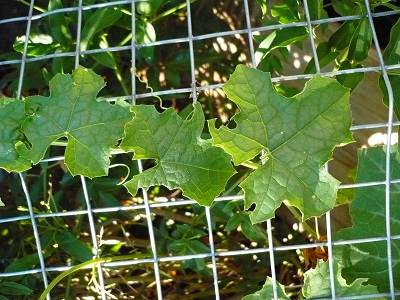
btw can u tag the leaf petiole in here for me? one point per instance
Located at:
(299, 218)
(251, 165)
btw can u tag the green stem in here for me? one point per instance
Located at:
(168, 12)
(250, 165)
(35, 6)
(299, 218)
(86, 264)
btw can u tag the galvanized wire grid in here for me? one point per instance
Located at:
(214, 255)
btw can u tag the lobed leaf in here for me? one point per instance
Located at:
(367, 211)
(72, 111)
(298, 135)
(184, 160)
(317, 283)
(11, 115)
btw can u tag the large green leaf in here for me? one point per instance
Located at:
(72, 111)
(317, 283)
(298, 135)
(184, 160)
(368, 215)
(11, 115)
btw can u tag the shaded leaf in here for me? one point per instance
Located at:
(184, 160)
(39, 44)
(391, 56)
(298, 135)
(74, 247)
(13, 288)
(148, 7)
(367, 211)
(72, 111)
(325, 55)
(58, 23)
(280, 38)
(343, 36)
(11, 115)
(317, 283)
(350, 80)
(145, 33)
(361, 40)
(101, 19)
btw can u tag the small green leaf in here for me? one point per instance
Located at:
(145, 33)
(39, 44)
(13, 288)
(361, 40)
(367, 211)
(148, 7)
(344, 7)
(317, 283)
(233, 222)
(267, 292)
(11, 115)
(284, 14)
(325, 54)
(58, 23)
(316, 9)
(290, 131)
(74, 247)
(280, 38)
(391, 56)
(252, 231)
(350, 80)
(106, 59)
(184, 160)
(24, 263)
(263, 6)
(342, 37)
(101, 19)
(72, 111)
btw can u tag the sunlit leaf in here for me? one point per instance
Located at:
(72, 111)
(184, 160)
(298, 135)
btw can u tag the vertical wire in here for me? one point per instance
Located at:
(328, 214)
(269, 223)
(139, 162)
(249, 33)
(152, 236)
(83, 182)
(310, 34)
(388, 145)
(35, 232)
(23, 183)
(191, 51)
(24, 53)
(93, 234)
(78, 34)
(194, 95)
(133, 52)
(212, 250)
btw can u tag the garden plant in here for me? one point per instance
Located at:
(232, 130)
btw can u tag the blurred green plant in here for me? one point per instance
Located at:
(104, 42)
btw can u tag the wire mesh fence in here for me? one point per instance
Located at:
(158, 244)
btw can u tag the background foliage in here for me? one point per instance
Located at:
(180, 229)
